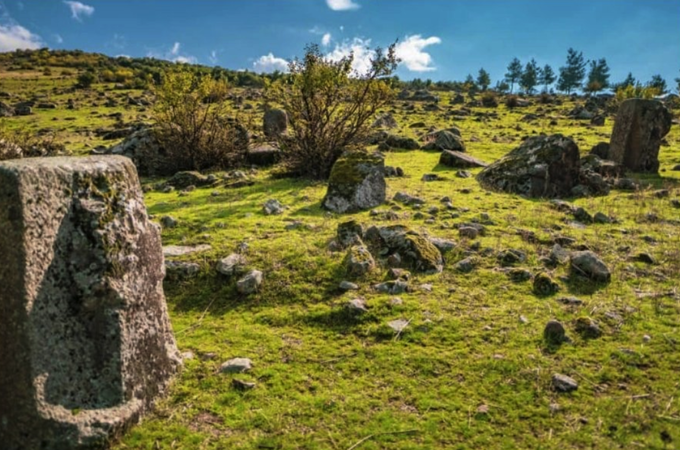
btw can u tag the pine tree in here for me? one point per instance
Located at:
(470, 84)
(598, 76)
(529, 78)
(514, 73)
(658, 83)
(571, 75)
(483, 79)
(677, 88)
(547, 77)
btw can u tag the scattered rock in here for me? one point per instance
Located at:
(563, 383)
(587, 264)
(356, 306)
(169, 222)
(357, 182)
(274, 123)
(232, 264)
(554, 333)
(236, 365)
(544, 285)
(250, 282)
(459, 160)
(348, 286)
(181, 250)
(273, 207)
(587, 328)
(359, 261)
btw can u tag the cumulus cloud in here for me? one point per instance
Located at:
(412, 54)
(270, 63)
(326, 40)
(342, 5)
(13, 36)
(361, 50)
(78, 10)
(174, 54)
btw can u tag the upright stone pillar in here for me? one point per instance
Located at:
(85, 342)
(640, 125)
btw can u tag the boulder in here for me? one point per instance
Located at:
(543, 166)
(414, 249)
(391, 141)
(357, 182)
(385, 121)
(6, 110)
(587, 264)
(274, 123)
(459, 160)
(182, 180)
(444, 140)
(263, 155)
(86, 342)
(359, 260)
(638, 130)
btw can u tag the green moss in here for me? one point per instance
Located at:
(347, 170)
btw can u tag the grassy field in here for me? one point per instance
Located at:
(471, 369)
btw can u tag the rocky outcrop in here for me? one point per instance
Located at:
(86, 342)
(357, 182)
(543, 166)
(416, 251)
(639, 128)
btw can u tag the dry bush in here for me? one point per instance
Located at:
(330, 108)
(22, 143)
(191, 123)
(511, 101)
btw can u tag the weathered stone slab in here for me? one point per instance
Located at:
(357, 182)
(85, 341)
(640, 125)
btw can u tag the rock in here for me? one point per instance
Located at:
(393, 287)
(392, 141)
(511, 257)
(169, 222)
(645, 258)
(543, 166)
(554, 333)
(430, 177)
(545, 285)
(357, 182)
(348, 232)
(587, 264)
(385, 121)
(359, 261)
(263, 155)
(587, 328)
(601, 150)
(415, 250)
(6, 110)
(601, 218)
(23, 109)
(463, 174)
(597, 121)
(640, 125)
(181, 250)
(273, 207)
(236, 365)
(182, 180)
(459, 160)
(466, 265)
(559, 255)
(407, 199)
(250, 282)
(10, 150)
(563, 383)
(444, 140)
(356, 306)
(178, 270)
(398, 325)
(570, 301)
(232, 264)
(83, 323)
(468, 232)
(242, 385)
(348, 286)
(443, 245)
(274, 123)
(519, 275)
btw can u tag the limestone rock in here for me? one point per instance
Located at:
(543, 166)
(359, 261)
(563, 383)
(586, 263)
(83, 320)
(232, 264)
(444, 140)
(250, 282)
(357, 182)
(640, 125)
(459, 160)
(415, 250)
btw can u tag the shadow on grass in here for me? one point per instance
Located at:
(580, 285)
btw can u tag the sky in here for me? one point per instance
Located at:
(436, 39)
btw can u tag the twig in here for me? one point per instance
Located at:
(200, 319)
(371, 436)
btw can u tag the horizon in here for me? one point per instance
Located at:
(640, 37)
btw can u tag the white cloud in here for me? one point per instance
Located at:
(326, 40)
(13, 36)
(316, 30)
(361, 50)
(79, 9)
(342, 5)
(173, 55)
(270, 63)
(411, 53)
(213, 57)
(58, 39)
(118, 42)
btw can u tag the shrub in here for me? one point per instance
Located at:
(85, 80)
(23, 143)
(330, 108)
(545, 99)
(489, 100)
(511, 101)
(195, 132)
(638, 91)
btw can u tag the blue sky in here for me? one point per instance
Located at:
(438, 39)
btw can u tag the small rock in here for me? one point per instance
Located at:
(564, 383)
(587, 264)
(250, 282)
(348, 286)
(357, 305)
(545, 285)
(273, 207)
(169, 222)
(588, 328)
(572, 301)
(236, 365)
(232, 264)
(396, 301)
(398, 325)
(393, 287)
(554, 332)
(466, 265)
(242, 385)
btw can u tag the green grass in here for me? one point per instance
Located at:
(467, 372)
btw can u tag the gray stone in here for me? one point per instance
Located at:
(250, 282)
(357, 182)
(232, 264)
(181, 250)
(359, 261)
(169, 222)
(459, 160)
(83, 320)
(563, 383)
(348, 286)
(274, 123)
(444, 140)
(393, 287)
(543, 166)
(181, 269)
(554, 332)
(236, 365)
(639, 128)
(466, 265)
(586, 263)
(273, 207)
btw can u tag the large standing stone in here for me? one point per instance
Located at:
(640, 125)
(543, 166)
(357, 182)
(85, 341)
(274, 123)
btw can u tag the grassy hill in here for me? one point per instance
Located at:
(471, 369)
